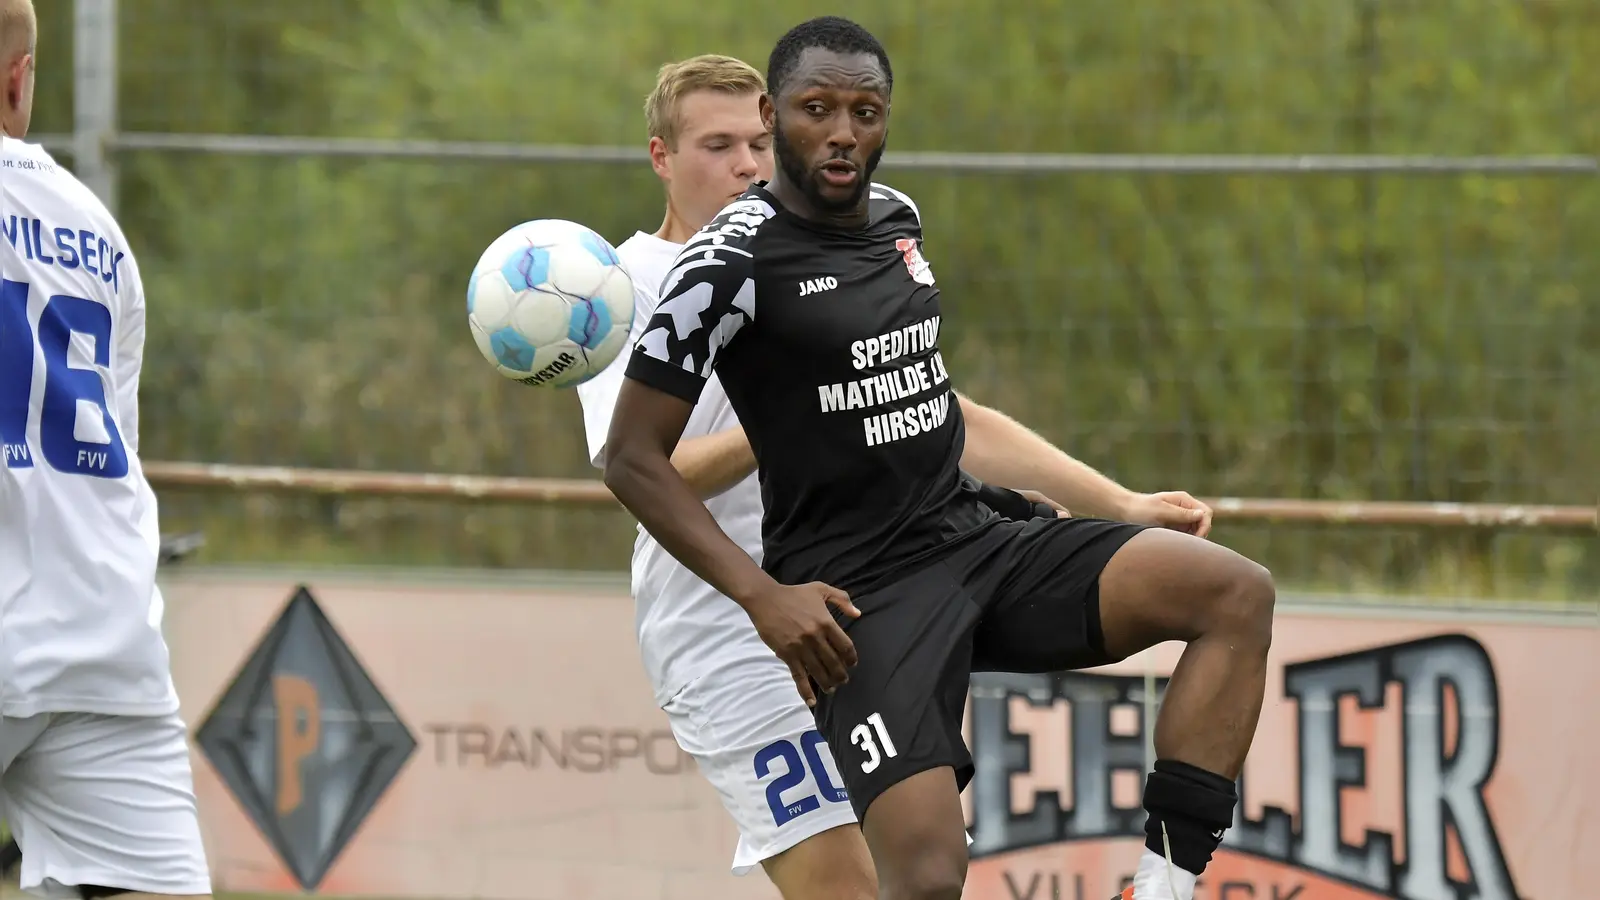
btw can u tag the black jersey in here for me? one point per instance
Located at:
(827, 344)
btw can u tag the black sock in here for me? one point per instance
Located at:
(1194, 805)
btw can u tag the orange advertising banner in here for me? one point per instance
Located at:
(410, 736)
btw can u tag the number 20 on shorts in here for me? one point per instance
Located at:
(67, 387)
(794, 773)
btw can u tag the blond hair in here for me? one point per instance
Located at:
(19, 26)
(677, 80)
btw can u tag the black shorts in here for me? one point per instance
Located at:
(1021, 597)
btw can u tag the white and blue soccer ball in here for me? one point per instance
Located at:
(550, 303)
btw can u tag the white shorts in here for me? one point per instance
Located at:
(757, 743)
(102, 800)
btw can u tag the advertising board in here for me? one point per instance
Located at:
(407, 736)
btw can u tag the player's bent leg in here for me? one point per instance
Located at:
(833, 865)
(1165, 586)
(1161, 586)
(104, 806)
(1074, 593)
(917, 833)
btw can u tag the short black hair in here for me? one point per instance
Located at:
(833, 33)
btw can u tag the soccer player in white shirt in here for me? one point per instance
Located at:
(94, 764)
(731, 702)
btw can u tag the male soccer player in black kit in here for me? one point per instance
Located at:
(886, 580)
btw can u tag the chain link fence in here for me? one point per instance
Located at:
(1339, 254)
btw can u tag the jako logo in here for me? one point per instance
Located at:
(813, 285)
(1439, 759)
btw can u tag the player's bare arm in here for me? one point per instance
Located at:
(1001, 450)
(645, 429)
(793, 620)
(713, 463)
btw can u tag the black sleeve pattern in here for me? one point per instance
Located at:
(707, 297)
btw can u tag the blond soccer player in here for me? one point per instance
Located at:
(94, 765)
(731, 703)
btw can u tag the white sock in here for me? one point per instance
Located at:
(1158, 879)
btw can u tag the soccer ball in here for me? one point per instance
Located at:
(549, 303)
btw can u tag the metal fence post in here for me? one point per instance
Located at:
(94, 96)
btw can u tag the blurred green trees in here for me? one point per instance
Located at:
(1430, 337)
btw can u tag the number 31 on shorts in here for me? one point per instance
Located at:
(870, 736)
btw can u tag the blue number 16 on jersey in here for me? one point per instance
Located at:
(69, 387)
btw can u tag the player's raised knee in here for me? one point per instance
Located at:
(1168, 586)
(1242, 605)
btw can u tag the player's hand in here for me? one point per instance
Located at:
(1170, 509)
(795, 622)
(1036, 498)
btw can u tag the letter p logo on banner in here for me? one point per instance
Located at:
(299, 729)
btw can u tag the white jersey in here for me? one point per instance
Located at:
(80, 615)
(685, 627)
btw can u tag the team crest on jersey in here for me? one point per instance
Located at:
(915, 264)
